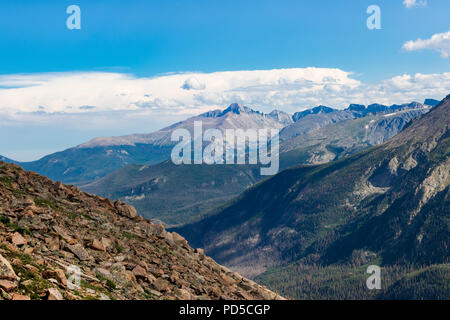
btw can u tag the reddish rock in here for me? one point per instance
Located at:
(79, 251)
(125, 209)
(54, 294)
(87, 238)
(106, 243)
(200, 251)
(139, 272)
(97, 245)
(161, 285)
(18, 240)
(61, 276)
(16, 296)
(7, 285)
(178, 239)
(31, 268)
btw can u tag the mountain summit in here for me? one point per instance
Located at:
(98, 157)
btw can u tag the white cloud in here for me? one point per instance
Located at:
(439, 42)
(106, 97)
(180, 93)
(75, 107)
(414, 3)
(193, 84)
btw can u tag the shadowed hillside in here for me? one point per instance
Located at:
(388, 204)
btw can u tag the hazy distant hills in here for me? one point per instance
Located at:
(387, 205)
(82, 165)
(431, 102)
(321, 116)
(95, 159)
(135, 168)
(4, 159)
(182, 194)
(235, 116)
(176, 194)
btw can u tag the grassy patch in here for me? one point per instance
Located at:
(71, 215)
(19, 192)
(43, 203)
(98, 289)
(7, 222)
(167, 250)
(119, 248)
(4, 219)
(87, 216)
(6, 181)
(148, 295)
(131, 236)
(109, 284)
(37, 286)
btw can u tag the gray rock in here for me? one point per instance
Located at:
(6, 270)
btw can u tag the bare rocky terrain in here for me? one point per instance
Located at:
(46, 227)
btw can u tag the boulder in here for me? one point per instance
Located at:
(97, 245)
(139, 272)
(107, 243)
(178, 239)
(125, 209)
(79, 251)
(6, 270)
(54, 294)
(18, 240)
(61, 276)
(8, 285)
(161, 285)
(17, 296)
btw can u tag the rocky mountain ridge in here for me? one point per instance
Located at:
(94, 159)
(389, 203)
(48, 229)
(180, 194)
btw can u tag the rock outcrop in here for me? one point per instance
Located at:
(57, 242)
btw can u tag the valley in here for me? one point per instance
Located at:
(179, 194)
(388, 203)
(351, 181)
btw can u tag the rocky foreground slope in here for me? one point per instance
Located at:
(46, 227)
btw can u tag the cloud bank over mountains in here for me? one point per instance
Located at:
(190, 93)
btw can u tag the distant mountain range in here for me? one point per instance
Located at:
(4, 159)
(235, 116)
(94, 159)
(321, 116)
(182, 194)
(431, 102)
(387, 205)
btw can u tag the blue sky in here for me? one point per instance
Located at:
(152, 37)
(146, 39)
